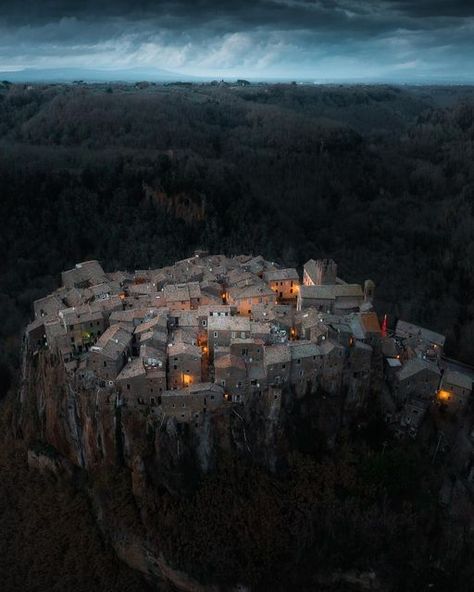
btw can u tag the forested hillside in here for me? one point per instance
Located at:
(380, 178)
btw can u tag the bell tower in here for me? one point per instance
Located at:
(369, 291)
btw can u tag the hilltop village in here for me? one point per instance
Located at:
(213, 331)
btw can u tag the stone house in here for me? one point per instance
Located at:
(48, 306)
(262, 331)
(36, 333)
(111, 352)
(283, 282)
(141, 382)
(416, 378)
(186, 404)
(251, 349)
(245, 295)
(131, 318)
(184, 365)
(277, 364)
(177, 296)
(84, 275)
(310, 325)
(280, 315)
(221, 330)
(211, 310)
(371, 327)
(83, 326)
(231, 375)
(341, 331)
(56, 335)
(337, 298)
(188, 296)
(155, 323)
(419, 337)
(306, 366)
(152, 356)
(319, 272)
(152, 338)
(455, 389)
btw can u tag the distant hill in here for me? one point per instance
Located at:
(93, 75)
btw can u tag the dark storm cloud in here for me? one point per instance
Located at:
(434, 8)
(204, 36)
(354, 14)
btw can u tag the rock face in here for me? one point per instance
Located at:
(78, 429)
(89, 431)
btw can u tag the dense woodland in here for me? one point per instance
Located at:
(380, 178)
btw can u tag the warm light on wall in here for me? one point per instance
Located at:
(187, 379)
(444, 395)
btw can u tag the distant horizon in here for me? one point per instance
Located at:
(134, 75)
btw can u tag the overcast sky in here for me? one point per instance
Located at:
(412, 40)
